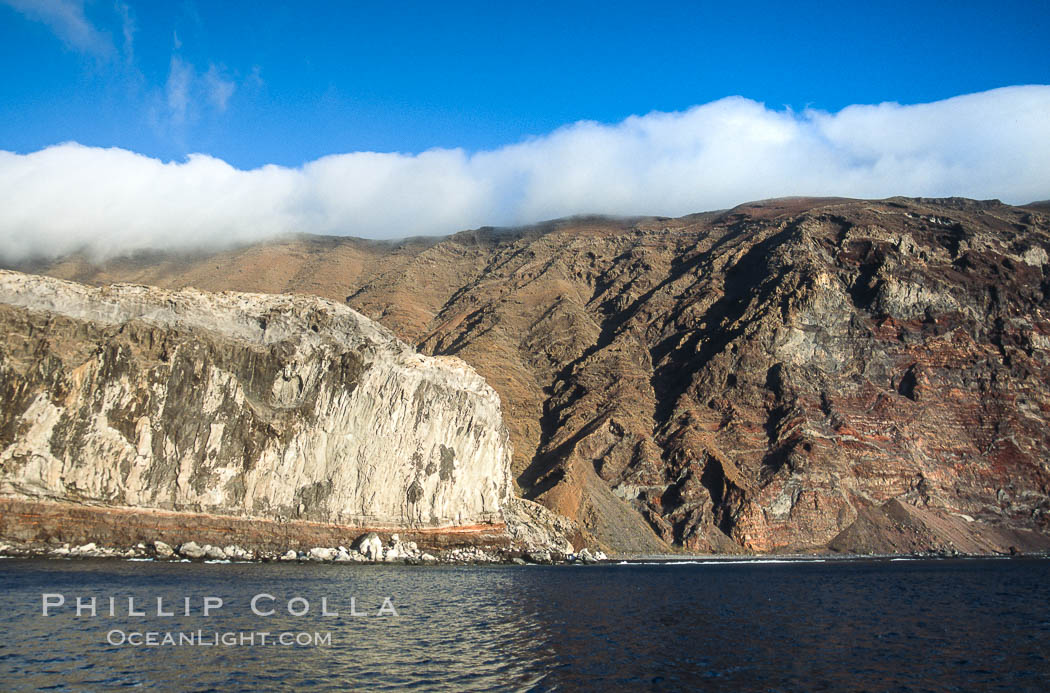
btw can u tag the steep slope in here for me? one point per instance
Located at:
(250, 405)
(779, 376)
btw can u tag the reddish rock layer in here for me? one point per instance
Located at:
(50, 523)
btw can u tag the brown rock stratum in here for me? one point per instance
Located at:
(787, 375)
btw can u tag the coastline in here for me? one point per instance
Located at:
(31, 528)
(394, 551)
(62, 530)
(398, 552)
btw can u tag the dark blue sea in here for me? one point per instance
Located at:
(856, 625)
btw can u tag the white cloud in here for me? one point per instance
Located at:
(128, 29)
(66, 19)
(187, 93)
(218, 88)
(111, 201)
(177, 89)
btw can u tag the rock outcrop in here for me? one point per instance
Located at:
(759, 379)
(257, 406)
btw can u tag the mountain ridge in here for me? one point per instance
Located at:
(662, 378)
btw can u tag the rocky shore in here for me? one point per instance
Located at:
(368, 548)
(371, 549)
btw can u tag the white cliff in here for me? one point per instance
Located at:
(272, 406)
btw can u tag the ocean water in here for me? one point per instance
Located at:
(913, 625)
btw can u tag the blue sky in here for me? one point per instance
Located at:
(265, 83)
(152, 125)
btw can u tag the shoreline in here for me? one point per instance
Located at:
(369, 549)
(397, 552)
(36, 528)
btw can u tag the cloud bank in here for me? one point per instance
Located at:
(112, 201)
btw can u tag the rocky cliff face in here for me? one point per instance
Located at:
(275, 407)
(866, 375)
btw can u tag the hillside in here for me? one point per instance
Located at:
(786, 375)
